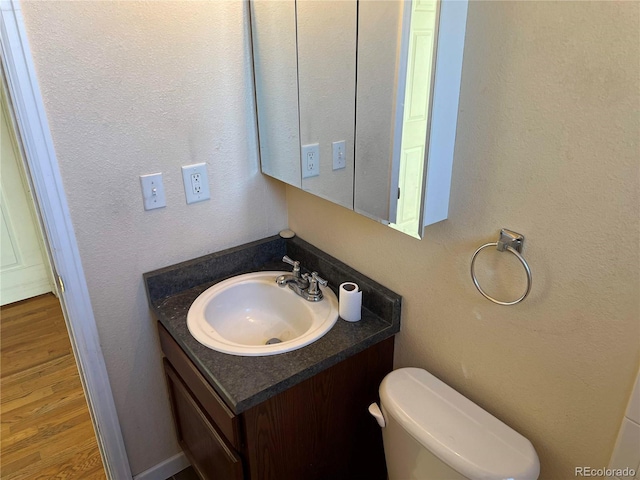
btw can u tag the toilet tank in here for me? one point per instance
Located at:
(433, 432)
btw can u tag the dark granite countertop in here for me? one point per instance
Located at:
(244, 382)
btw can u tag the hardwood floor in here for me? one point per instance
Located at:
(46, 429)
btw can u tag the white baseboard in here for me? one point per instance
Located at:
(165, 469)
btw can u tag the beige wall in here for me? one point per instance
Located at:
(548, 146)
(140, 87)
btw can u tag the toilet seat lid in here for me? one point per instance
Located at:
(456, 430)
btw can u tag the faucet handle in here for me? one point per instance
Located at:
(316, 278)
(294, 263)
(313, 285)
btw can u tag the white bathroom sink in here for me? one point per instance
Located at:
(250, 315)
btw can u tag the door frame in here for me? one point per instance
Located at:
(44, 175)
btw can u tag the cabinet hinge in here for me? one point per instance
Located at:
(60, 284)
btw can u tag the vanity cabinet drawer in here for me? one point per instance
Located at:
(222, 416)
(206, 449)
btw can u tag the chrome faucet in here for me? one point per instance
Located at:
(296, 282)
(304, 285)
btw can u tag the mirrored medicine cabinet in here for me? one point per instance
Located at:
(357, 102)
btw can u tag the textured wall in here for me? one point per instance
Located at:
(327, 36)
(548, 139)
(140, 87)
(273, 32)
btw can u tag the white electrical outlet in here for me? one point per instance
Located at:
(152, 191)
(196, 186)
(339, 155)
(196, 183)
(310, 160)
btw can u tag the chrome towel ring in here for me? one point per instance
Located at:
(511, 242)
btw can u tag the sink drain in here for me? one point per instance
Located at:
(272, 341)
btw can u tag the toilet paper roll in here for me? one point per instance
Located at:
(350, 302)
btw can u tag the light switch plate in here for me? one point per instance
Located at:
(339, 154)
(310, 160)
(152, 191)
(196, 182)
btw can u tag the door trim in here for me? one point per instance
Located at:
(44, 174)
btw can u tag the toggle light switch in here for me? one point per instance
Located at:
(152, 191)
(339, 155)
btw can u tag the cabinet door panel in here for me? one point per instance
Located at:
(205, 448)
(321, 429)
(214, 406)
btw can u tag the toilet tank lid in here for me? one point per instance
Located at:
(456, 430)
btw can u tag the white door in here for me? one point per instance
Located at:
(24, 270)
(416, 115)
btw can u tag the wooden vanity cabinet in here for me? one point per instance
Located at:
(209, 453)
(319, 429)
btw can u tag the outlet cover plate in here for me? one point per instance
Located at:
(196, 182)
(310, 160)
(152, 191)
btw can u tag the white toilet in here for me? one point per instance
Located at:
(431, 432)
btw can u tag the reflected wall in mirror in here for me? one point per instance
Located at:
(379, 63)
(357, 102)
(275, 64)
(327, 91)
